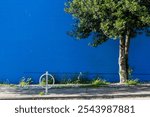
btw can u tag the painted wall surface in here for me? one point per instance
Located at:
(33, 39)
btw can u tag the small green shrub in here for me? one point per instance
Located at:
(43, 82)
(41, 93)
(6, 83)
(65, 81)
(80, 78)
(132, 82)
(29, 81)
(25, 82)
(97, 82)
(22, 83)
(75, 80)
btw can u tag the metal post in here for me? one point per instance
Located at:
(46, 88)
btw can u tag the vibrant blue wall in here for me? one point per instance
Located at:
(33, 39)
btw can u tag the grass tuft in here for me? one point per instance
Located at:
(132, 82)
(98, 82)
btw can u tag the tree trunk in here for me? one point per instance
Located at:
(122, 61)
(127, 44)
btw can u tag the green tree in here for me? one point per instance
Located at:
(110, 19)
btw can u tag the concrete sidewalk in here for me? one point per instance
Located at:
(105, 92)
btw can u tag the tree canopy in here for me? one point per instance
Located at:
(109, 19)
